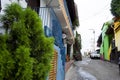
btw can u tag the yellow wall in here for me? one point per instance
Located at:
(109, 51)
(117, 34)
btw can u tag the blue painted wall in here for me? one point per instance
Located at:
(57, 34)
(60, 70)
(47, 31)
(55, 30)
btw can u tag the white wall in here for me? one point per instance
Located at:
(6, 2)
(44, 14)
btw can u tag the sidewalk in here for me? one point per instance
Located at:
(68, 64)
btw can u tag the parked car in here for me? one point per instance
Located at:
(95, 55)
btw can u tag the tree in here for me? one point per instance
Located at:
(6, 61)
(77, 47)
(27, 45)
(41, 46)
(115, 8)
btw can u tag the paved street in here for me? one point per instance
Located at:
(92, 70)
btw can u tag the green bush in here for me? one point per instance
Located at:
(115, 8)
(30, 51)
(41, 46)
(6, 60)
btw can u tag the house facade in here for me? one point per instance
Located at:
(105, 42)
(116, 27)
(117, 33)
(108, 42)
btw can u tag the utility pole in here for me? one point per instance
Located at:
(94, 38)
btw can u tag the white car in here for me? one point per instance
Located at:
(95, 54)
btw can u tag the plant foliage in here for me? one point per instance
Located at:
(6, 60)
(78, 41)
(75, 24)
(115, 8)
(26, 49)
(77, 47)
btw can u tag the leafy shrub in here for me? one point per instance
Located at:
(6, 61)
(26, 46)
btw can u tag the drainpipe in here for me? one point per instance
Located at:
(94, 38)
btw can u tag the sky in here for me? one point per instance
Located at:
(92, 14)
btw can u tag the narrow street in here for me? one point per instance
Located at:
(92, 69)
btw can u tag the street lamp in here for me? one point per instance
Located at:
(94, 37)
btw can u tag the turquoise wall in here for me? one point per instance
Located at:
(60, 67)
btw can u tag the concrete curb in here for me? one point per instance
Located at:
(68, 65)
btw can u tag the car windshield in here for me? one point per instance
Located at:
(98, 51)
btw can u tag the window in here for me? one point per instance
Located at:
(34, 4)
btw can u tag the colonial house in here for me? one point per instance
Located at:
(104, 41)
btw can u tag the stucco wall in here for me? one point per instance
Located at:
(117, 34)
(5, 2)
(60, 67)
(117, 40)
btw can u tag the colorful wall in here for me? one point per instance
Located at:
(117, 34)
(105, 48)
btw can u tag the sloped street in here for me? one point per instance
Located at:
(90, 69)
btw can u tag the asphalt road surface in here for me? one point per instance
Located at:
(90, 69)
